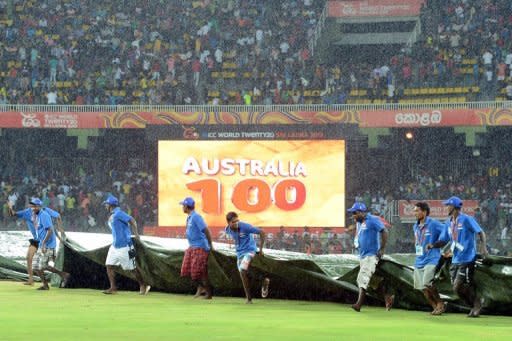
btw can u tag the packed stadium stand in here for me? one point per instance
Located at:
(241, 52)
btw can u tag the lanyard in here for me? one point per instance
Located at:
(359, 228)
(35, 221)
(454, 230)
(420, 234)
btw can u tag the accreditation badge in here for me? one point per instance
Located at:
(419, 250)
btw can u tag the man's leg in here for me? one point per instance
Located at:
(200, 290)
(38, 266)
(64, 275)
(30, 256)
(360, 300)
(367, 268)
(430, 299)
(463, 286)
(389, 298)
(112, 279)
(247, 288)
(205, 283)
(45, 286)
(143, 288)
(440, 305)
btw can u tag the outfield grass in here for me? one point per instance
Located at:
(83, 314)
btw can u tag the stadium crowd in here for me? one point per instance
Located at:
(233, 52)
(113, 52)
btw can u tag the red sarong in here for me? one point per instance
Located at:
(195, 264)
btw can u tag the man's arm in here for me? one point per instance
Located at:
(383, 242)
(208, 237)
(43, 242)
(483, 243)
(61, 235)
(133, 226)
(262, 241)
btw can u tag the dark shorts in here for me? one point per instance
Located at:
(463, 272)
(195, 264)
(33, 242)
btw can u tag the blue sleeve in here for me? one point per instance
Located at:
(46, 221)
(248, 228)
(124, 217)
(377, 224)
(442, 231)
(473, 225)
(25, 214)
(199, 222)
(52, 213)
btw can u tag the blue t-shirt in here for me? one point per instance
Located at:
(119, 223)
(44, 224)
(429, 233)
(463, 237)
(28, 216)
(368, 236)
(195, 231)
(243, 238)
(54, 214)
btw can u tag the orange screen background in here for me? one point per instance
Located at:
(324, 161)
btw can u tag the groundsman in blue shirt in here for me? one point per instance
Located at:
(371, 237)
(242, 233)
(463, 230)
(429, 236)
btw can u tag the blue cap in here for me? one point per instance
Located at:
(358, 206)
(188, 201)
(36, 202)
(111, 200)
(453, 201)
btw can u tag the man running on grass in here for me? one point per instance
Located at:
(463, 230)
(121, 252)
(47, 244)
(28, 216)
(242, 234)
(429, 236)
(195, 259)
(371, 250)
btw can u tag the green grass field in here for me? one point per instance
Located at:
(83, 314)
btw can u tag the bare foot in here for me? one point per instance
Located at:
(110, 291)
(200, 292)
(440, 309)
(144, 289)
(65, 280)
(264, 287)
(389, 300)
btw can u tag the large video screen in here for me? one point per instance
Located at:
(269, 183)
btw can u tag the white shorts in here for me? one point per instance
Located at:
(424, 278)
(120, 257)
(244, 262)
(367, 268)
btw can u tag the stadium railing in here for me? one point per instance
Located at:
(253, 108)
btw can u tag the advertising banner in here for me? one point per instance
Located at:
(270, 183)
(373, 8)
(437, 209)
(375, 118)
